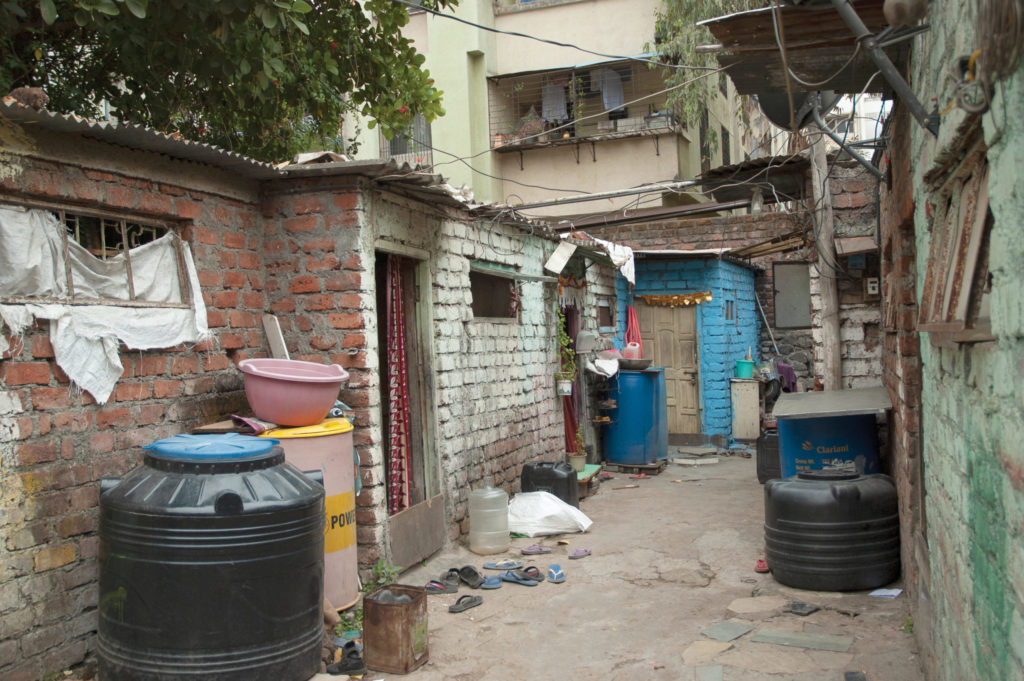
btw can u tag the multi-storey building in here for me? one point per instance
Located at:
(528, 121)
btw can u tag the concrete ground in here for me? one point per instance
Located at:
(671, 558)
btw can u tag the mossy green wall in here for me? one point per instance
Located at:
(972, 399)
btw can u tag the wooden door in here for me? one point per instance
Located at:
(418, 530)
(669, 335)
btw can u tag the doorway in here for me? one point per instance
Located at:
(415, 506)
(669, 335)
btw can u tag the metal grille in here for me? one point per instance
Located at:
(106, 236)
(610, 98)
(413, 146)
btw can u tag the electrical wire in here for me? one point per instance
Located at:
(792, 74)
(781, 42)
(556, 43)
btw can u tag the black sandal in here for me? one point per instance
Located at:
(465, 603)
(471, 576)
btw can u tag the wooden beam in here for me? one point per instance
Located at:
(275, 339)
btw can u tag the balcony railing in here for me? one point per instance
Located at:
(604, 100)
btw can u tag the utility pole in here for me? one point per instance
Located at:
(821, 194)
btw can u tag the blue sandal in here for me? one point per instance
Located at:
(491, 583)
(518, 577)
(555, 574)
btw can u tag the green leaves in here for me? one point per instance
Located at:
(136, 7)
(266, 78)
(48, 10)
(678, 38)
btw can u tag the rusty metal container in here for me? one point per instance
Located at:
(395, 634)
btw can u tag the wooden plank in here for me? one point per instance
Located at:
(851, 245)
(417, 532)
(275, 339)
(653, 468)
(970, 256)
(952, 250)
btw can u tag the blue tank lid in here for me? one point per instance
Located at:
(211, 448)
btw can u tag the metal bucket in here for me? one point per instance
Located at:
(395, 634)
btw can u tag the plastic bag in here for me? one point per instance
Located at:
(537, 514)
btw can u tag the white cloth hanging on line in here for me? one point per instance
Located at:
(553, 103)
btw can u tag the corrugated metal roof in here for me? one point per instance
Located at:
(778, 177)
(423, 185)
(141, 138)
(693, 254)
(645, 57)
(818, 45)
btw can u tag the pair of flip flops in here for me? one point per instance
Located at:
(465, 603)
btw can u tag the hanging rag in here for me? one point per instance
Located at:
(34, 262)
(788, 376)
(553, 103)
(398, 393)
(611, 89)
(633, 329)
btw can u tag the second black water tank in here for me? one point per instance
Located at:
(832, 531)
(211, 565)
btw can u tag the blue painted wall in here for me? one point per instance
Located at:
(721, 341)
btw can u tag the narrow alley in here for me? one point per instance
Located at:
(670, 559)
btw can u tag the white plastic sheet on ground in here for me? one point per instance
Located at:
(86, 338)
(536, 514)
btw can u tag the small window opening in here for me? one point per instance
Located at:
(605, 317)
(493, 296)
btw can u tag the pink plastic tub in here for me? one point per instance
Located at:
(289, 392)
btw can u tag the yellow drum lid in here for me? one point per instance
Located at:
(322, 429)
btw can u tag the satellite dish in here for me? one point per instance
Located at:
(775, 106)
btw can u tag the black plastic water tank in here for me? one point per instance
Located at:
(832, 531)
(558, 478)
(211, 565)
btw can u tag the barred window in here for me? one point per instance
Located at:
(70, 255)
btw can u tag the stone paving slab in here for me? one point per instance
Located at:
(704, 651)
(714, 672)
(727, 631)
(757, 607)
(839, 644)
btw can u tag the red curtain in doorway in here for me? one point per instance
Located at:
(398, 393)
(569, 406)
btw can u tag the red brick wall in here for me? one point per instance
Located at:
(65, 442)
(318, 286)
(902, 356)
